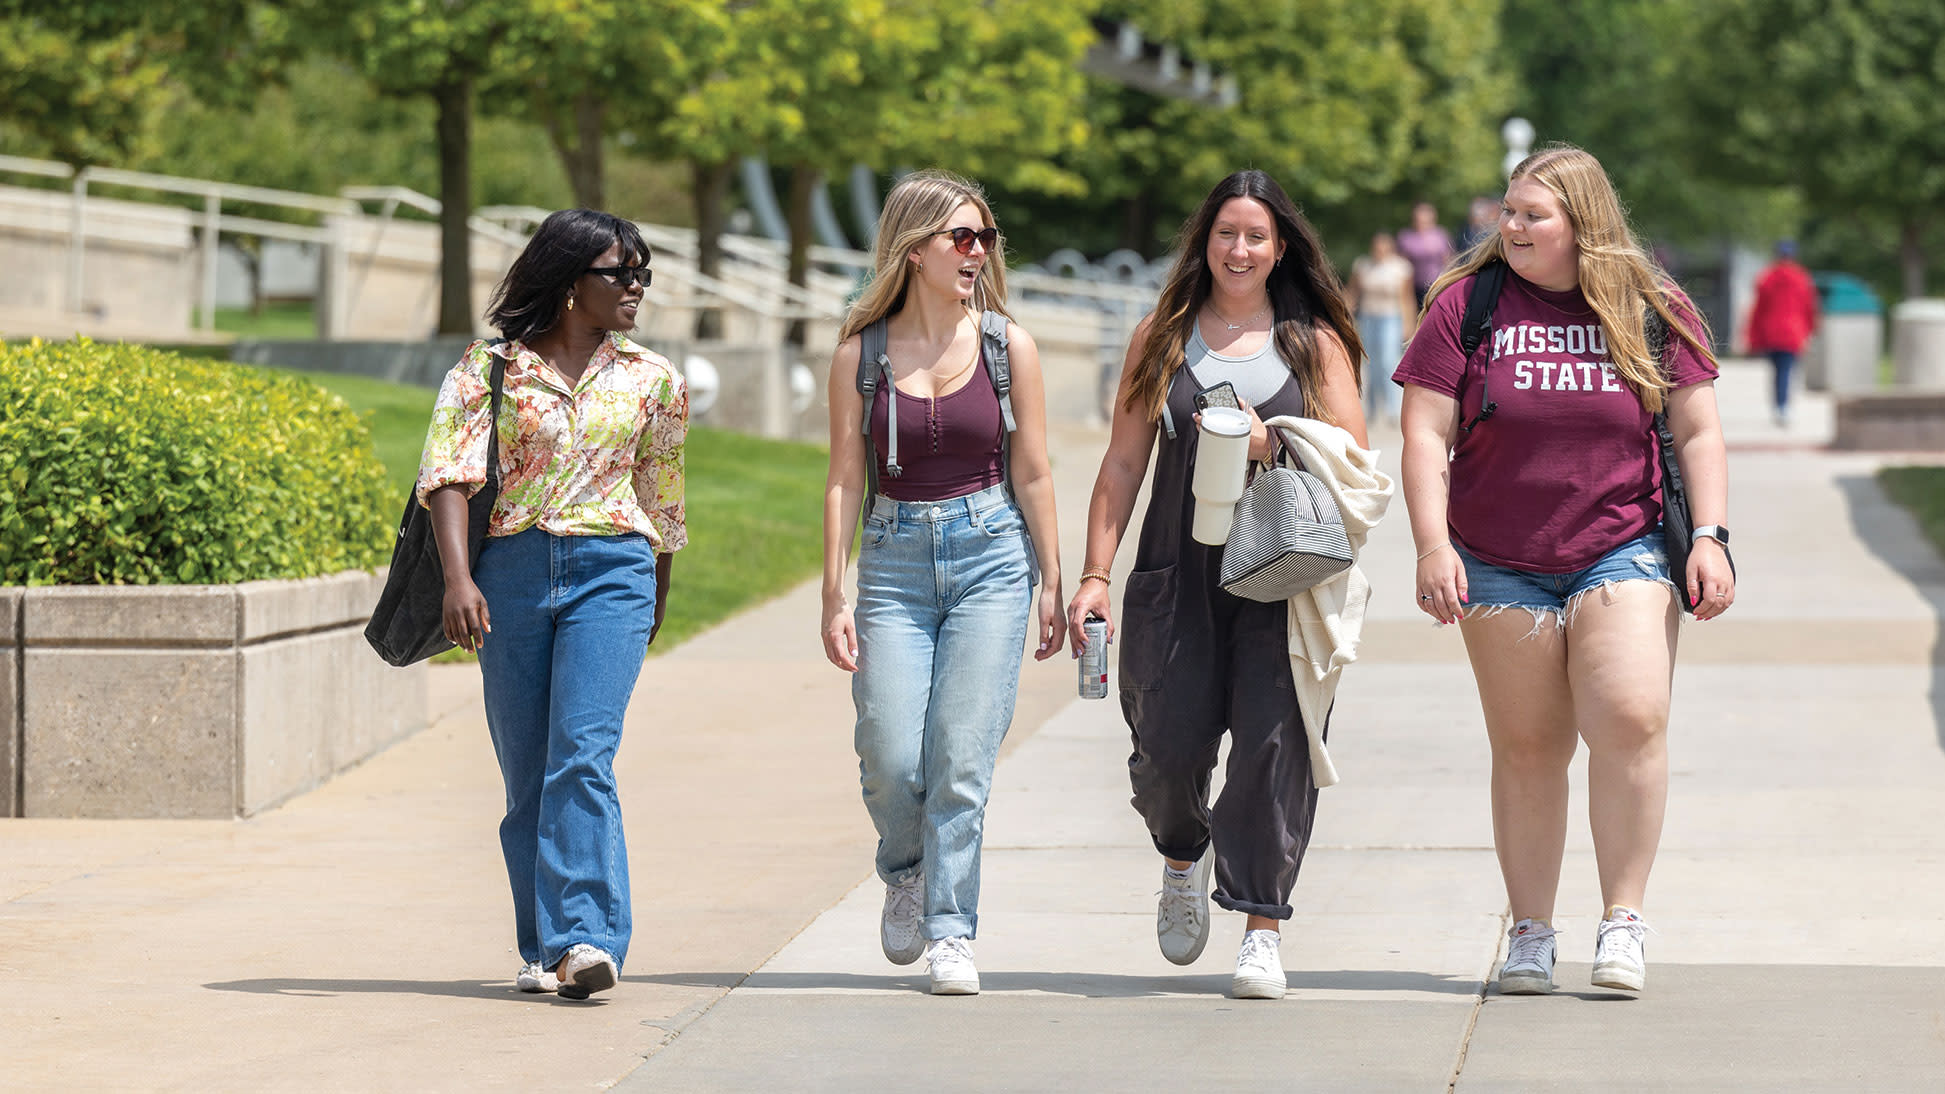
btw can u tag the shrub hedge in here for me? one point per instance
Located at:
(127, 465)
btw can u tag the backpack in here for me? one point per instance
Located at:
(874, 367)
(1676, 520)
(1477, 325)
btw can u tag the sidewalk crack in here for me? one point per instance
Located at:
(1478, 1004)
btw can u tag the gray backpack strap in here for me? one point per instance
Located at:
(874, 368)
(992, 332)
(992, 339)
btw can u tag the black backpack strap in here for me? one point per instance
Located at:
(1478, 321)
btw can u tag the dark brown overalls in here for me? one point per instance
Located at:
(1196, 661)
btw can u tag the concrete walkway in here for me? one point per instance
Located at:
(358, 936)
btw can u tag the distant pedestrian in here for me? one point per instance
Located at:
(573, 581)
(1531, 472)
(1781, 320)
(1250, 305)
(1427, 246)
(960, 530)
(1482, 220)
(1380, 292)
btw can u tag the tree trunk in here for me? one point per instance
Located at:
(455, 99)
(803, 185)
(710, 184)
(1911, 258)
(1137, 222)
(581, 152)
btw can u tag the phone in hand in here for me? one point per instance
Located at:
(1222, 394)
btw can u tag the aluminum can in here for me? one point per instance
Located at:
(1094, 659)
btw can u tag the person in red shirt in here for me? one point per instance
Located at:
(1782, 318)
(1532, 480)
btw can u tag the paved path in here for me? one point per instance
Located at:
(357, 936)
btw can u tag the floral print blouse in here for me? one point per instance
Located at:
(600, 458)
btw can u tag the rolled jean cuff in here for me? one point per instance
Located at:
(935, 927)
(1267, 911)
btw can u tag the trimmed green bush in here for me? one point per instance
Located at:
(126, 465)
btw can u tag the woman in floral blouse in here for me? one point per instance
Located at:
(575, 570)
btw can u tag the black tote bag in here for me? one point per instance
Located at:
(408, 625)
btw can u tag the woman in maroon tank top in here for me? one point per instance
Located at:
(950, 556)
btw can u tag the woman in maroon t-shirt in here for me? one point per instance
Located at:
(1531, 475)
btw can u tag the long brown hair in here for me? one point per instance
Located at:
(1617, 275)
(1303, 288)
(916, 210)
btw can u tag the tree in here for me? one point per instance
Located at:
(442, 50)
(1612, 76)
(87, 81)
(1358, 107)
(1838, 98)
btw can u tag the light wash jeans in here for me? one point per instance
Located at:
(944, 592)
(571, 617)
(1384, 344)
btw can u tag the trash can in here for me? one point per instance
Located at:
(1918, 344)
(1843, 355)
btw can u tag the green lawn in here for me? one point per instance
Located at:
(755, 506)
(1921, 490)
(288, 320)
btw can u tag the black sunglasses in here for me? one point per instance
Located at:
(962, 238)
(625, 276)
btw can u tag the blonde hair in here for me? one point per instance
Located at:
(1616, 274)
(916, 210)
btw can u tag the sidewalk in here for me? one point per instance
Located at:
(358, 936)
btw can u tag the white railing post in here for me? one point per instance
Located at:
(212, 217)
(77, 242)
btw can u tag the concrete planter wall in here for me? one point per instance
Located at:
(191, 700)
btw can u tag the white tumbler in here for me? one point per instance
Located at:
(1221, 462)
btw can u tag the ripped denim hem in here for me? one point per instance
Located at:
(1562, 618)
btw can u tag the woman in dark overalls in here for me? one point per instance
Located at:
(1252, 302)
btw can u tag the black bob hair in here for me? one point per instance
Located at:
(530, 298)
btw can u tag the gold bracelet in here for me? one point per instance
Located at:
(1097, 573)
(1430, 553)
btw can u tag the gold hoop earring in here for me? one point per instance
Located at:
(570, 303)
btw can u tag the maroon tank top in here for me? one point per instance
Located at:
(949, 446)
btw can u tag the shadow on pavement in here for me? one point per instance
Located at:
(1086, 985)
(324, 989)
(1867, 505)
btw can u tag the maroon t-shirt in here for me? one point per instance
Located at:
(949, 447)
(1566, 469)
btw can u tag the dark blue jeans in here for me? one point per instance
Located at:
(571, 617)
(1781, 363)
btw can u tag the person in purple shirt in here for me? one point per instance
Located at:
(957, 499)
(1531, 476)
(1427, 246)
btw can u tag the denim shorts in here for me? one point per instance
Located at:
(1491, 588)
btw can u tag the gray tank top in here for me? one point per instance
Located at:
(1256, 377)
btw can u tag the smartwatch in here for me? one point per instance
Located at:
(1715, 532)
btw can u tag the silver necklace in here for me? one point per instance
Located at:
(1241, 325)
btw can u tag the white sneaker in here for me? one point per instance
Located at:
(1618, 958)
(588, 969)
(1530, 951)
(953, 972)
(1182, 913)
(535, 979)
(1259, 967)
(898, 926)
